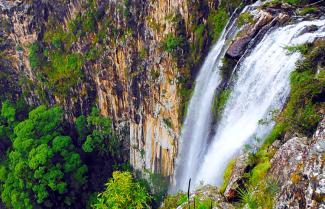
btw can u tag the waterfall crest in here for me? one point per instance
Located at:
(261, 84)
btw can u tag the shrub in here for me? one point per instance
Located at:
(217, 20)
(303, 48)
(276, 132)
(197, 45)
(247, 198)
(122, 191)
(173, 201)
(308, 10)
(89, 22)
(96, 133)
(294, 2)
(244, 18)
(168, 122)
(35, 55)
(171, 42)
(64, 71)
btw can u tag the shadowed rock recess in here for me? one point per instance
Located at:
(119, 103)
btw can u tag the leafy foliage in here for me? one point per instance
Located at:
(303, 49)
(41, 162)
(300, 114)
(308, 10)
(217, 20)
(123, 192)
(35, 55)
(171, 42)
(245, 18)
(7, 118)
(96, 132)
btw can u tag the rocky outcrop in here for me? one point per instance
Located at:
(236, 178)
(134, 81)
(299, 167)
(261, 24)
(239, 45)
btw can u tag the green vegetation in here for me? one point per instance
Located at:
(172, 201)
(308, 10)
(185, 95)
(292, 2)
(219, 102)
(203, 199)
(57, 63)
(247, 198)
(245, 18)
(217, 20)
(300, 114)
(171, 43)
(95, 131)
(158, 186)
(122, 191)
(35, 56)
(42, 166)
(41, 162)
(227, 175)
(168, 122)
(258, 190)
(303, 49)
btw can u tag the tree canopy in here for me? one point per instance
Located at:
(41, 162)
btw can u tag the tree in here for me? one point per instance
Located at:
(123, 192)
(7, 118)
(97, 135)
(43, 167)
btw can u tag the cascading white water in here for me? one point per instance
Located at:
(262, 85)
(195, 131)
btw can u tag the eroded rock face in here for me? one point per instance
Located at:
(299, 167)
(140, 93)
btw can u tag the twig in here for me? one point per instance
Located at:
(188, 193)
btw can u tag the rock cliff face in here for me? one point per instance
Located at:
(132, 79)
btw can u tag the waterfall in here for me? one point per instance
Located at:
(261, 84)
(195, 132)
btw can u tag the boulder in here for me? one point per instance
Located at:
(237, 48)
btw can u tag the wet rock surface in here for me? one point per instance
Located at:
(237, 48)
